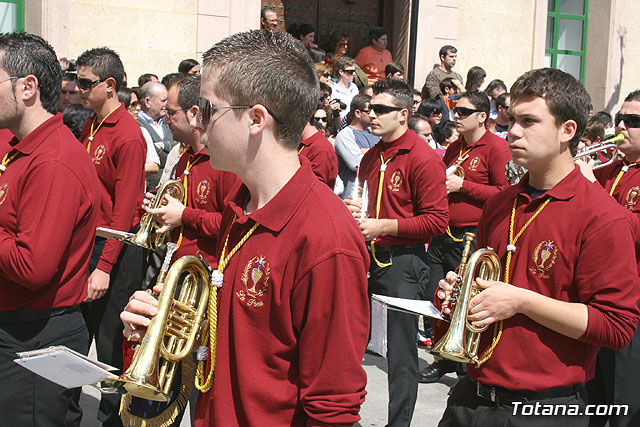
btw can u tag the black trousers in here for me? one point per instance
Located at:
(466, 409)
(616, 382)
(103, 317)
(27, 399)
(405, 278)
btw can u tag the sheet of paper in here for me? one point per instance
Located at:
(109, 233)
(426, 308)
(65, 367)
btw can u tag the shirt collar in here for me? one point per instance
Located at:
(149, 120)
(38, 135)
(404, 142)
(482, 141)
(564, 190)
(279, 210)
(307, 142)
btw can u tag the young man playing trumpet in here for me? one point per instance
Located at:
(293, 313)
(618, 372)
(554, 306)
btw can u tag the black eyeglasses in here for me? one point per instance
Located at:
(86, 84)
(323, 97)
(349, 71)
(206, 111)
(321, 119)
(630, 120)
(463, 112)
(326, 74)
(383, 108)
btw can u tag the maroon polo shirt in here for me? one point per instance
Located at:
(484, 176)
(413, 191)
(627, 192)
(118, 153)
(578, 249)
(293, 313)
(324, 161)
(49, 207)
(207, 193)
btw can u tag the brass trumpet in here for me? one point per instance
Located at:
(607, 144)
(461, 341)
(173, 331)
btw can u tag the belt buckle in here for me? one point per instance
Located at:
(490, 397)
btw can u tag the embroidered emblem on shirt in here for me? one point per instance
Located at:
(474, 163)
(544, 257)
(255, 278)
(3, 193)
(99, 154)
(202, 191)
(396, 181)
(632, 198)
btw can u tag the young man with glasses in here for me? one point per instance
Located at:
(118, 151)
(49, 206)
(481, 156)
(343, 87)
(407, 208)
(317, 149)
(556, 303)
(293, 313)
(617, 372)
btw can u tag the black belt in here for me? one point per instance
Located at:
(462, 230)
(24, 315)
(505, 396)
(393, 250)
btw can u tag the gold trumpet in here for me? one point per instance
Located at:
(607, 144)
(172, 333)
(461, 341)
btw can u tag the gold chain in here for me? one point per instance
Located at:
(624, 169)
(383, 168)
(91, 131)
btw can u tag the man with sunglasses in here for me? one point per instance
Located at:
(617, 372)
(49, 206)
(407, 208)
(118, 151)
(555, 303)
(482, 156)
(293, 314)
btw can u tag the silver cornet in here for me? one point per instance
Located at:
(607, 144)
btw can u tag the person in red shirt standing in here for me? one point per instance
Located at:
(407, 208)
(320, 153)
(118, 151)
(481, 156)
(49, 207)
(293, 312)
(617, 372)
(556, 303)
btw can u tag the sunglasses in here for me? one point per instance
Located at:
(86, 84)
(463, 112)
(383, 108)
(630, 120)
(206, 111)
(321, 119)
(342, 44)
(326, 74)
(349, 71)
(323, 97)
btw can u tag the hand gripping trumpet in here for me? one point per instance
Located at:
(607, 144)
(461, 341)
(173, 331)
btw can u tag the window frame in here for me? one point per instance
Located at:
(554, 51)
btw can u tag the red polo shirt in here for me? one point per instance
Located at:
(324, 161)
(578, 249)
(413, 191)
(484, 176)
(626, 193)
(118, 152)
(49, 206)
(293, 313)
(207, 193)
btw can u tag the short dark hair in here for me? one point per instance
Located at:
(594, 129)
(633, 96)
(342, 63)
(393, 67)
(169, 78)
(69, 77)
(263, 12)
(186, 65)
(146, 78)
(270, 68)
(502, 99)
(565, 96)
(400, 91)
(334, 38)
(605, 117)
(359, 102)
(302, 30)
(189, 91)
(376, 32)
(429, 106)
(74, 117)
(104, 63)
(27, 54)
(475, 78)
(442, 131)
(495, 84)
(415, 119)
(124, 96)
(444, 50)
(446, 83)
(479, 100)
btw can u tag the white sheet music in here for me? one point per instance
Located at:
(426, 308)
